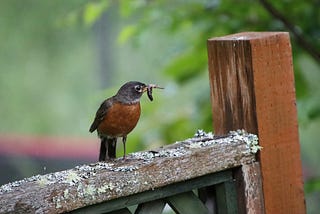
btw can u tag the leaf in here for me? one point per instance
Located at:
(93, 10)
(126, 33)
(314, 113)
(312, 185)
(302, 89)
(69, 20)
(187, 65)
(128, 7)
(177, 129)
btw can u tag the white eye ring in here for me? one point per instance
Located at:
(138, 88)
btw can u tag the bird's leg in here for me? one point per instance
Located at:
(103, 149)
(111, 148)
(124, 139)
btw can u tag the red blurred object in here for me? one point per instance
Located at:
(49, 147)
(23, 156)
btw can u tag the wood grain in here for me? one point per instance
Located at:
(252, 87)
(103, 181)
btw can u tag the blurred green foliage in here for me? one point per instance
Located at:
(312, 185)
(50, 81)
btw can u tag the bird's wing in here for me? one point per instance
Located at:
(102, 111)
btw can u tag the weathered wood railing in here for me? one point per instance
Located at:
(166, 174)
(252, 88)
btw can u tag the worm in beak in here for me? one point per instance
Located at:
(149, 90)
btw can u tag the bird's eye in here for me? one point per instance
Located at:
(138, 88)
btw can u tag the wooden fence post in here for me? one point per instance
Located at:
(252, 88)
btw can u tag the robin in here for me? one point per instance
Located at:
(118, 115)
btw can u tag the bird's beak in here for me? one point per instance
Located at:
(145, 88)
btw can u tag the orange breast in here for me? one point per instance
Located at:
(119, 120)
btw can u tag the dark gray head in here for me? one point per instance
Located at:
(131, 92)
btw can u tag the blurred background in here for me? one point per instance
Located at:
(60, 59)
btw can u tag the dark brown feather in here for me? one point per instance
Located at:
(102, 111)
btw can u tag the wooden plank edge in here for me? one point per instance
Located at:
(94, 183)
(166, 191)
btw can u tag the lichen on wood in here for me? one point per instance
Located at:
(97, 182)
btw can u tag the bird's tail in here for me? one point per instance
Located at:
(107, 148)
